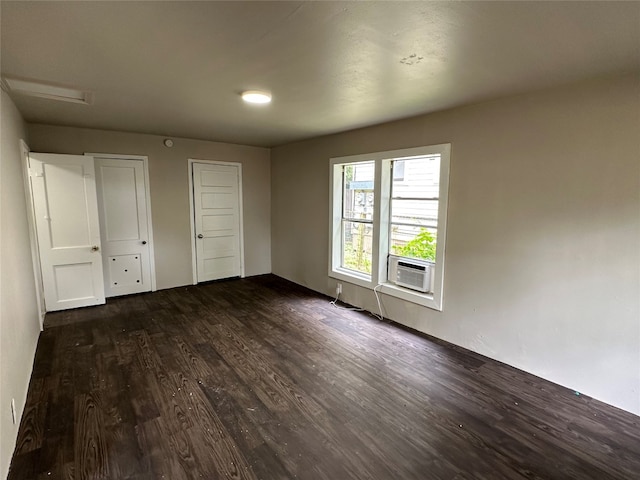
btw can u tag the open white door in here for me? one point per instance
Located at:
(66, 211)
(124, 225)
(217, 220)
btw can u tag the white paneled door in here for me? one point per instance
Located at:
(216, 198)
(68, 232)
(124, 225)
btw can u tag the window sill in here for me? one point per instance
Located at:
(350, 276)
(419, 298)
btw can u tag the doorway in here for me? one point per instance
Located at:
(125, 224)
(216, 220)
(92, 223)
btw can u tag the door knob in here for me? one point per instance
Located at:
(200, 235)
(95, 248)
(144, 242)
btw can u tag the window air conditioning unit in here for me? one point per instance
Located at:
(410, 273)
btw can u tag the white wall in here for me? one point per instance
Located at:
(169, 187)
(19, 323)
(543, 250)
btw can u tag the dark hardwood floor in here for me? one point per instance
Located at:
(262, 379)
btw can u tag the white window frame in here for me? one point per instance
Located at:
(381, 231)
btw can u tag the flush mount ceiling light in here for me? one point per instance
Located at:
(256, 96)
(34, 88)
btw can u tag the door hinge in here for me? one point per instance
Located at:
(35, 173)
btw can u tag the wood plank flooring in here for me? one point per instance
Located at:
(262, 379)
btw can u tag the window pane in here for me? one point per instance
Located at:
(357, 242)
(420, 178)
(414, 208)
(358, 199)
(413, 242)
(417, 212)
(398, 169)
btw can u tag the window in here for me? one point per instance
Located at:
(389, 207)
(414, 207)
(357, 217)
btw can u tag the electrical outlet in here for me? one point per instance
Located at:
(338, 288)
(13, 410)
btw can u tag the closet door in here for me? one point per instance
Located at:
(67, 226)
(124, 225)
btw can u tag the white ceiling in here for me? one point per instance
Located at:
(177, 68)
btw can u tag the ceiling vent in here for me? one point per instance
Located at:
(33, 88)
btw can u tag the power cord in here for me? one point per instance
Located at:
(375, 291)
(380, 317)
(334, 302)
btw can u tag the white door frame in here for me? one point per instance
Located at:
(194, 268)
(145, 167)
(33, 236)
